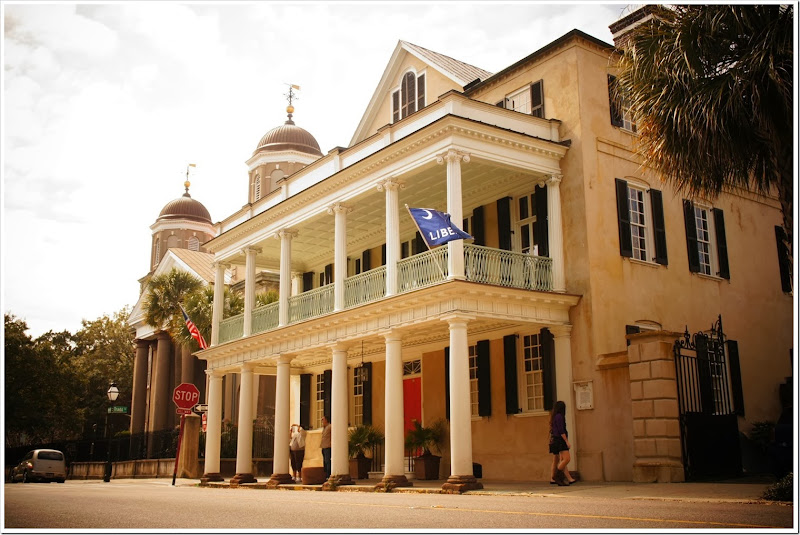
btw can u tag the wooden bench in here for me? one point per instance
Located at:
(312, 475)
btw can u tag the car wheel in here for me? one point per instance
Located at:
(25, 477)
(13, 479)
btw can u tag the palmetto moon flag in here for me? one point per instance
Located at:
(193, 330)
(436, 227)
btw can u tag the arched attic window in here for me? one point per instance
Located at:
(410, 97)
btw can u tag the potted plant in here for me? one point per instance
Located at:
(426, 465)
(360, 442)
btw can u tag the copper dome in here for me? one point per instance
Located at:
(185, 207)
(288, 137)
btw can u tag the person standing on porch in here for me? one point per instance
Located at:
(559, 446)
(297, 450)
(325, 444)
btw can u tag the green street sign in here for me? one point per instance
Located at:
(118, 410)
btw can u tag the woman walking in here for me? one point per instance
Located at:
(559, 446)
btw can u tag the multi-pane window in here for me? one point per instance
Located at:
(532, 373)
(526, 226)
(703, 239)
(410, 97)
(621, 110)
(358, 397)
(529, 99)
(473, 380)
(636, 207)
(519, 100)
(319, 406)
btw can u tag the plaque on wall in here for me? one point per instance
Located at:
(584, 396)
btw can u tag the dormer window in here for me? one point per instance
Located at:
(528, 99)
(410, 97)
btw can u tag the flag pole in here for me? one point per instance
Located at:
(444, 277)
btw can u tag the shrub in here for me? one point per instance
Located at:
(782, 490)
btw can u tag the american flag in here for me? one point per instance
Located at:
(193, 330)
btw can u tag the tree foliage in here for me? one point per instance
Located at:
(165, 294)
(711, 89)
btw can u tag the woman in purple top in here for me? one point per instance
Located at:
(559, 446)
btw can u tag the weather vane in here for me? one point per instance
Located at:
(291, 96)
(187, 183)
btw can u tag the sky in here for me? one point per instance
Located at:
(104, 106)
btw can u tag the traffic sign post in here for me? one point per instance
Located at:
(185, 396)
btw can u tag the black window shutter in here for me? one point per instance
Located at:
(549, 368)
(616, 115)
(367, 386)
(624, 219)
(420, 92)
(537, 99)
(477, 226)
(366, 264)
(504, 223)
(704, 374)
(327, 375)
(510, 363)
(447, 382)
(419, 244)
(396, 106)
(404, 250)
(383, 254)
(484, 379)
(308, 281)
(783, 259)
(736, 377)
(329, 274)
(632, 329)
(541, 228)
(691, 236)
(659, 229)
(305, 400)
(722, 244)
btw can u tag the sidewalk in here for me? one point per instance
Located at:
(739, 490)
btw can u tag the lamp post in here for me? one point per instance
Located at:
(113, 394)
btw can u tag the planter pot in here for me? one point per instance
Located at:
(427, 467)
(359, 467)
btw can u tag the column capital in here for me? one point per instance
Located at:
(560, 331)
(457, 317)
(247, 367)
(339, 208)
(554, 179)
(340, 346)
(391, 184)
(220, 264)
(284, 359)
(285, 233)
(452, 155)
(214, 374)
(392, 335)
(251, 250)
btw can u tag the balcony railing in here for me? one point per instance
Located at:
(311, 304)
(483, 265)
(365, 287)
(231, 328)
(265, 318)
(507, 268)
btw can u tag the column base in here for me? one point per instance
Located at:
(279, 479)
(389, 482)
(459, 484)
(242, 478)
(337, 480)
(214, 477)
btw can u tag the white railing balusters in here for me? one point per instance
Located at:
(365, 287)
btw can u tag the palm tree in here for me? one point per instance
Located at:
(710, 88)
(165, 295)
(199, 306)
(265, 298)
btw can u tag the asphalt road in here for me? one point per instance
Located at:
(156, 505)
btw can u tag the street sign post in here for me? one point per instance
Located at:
(185, 396)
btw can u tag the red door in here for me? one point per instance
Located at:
(412, 402)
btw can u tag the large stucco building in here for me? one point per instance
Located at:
(584, 271)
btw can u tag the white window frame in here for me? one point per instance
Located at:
(399, 90)
(703, 211)
(519, 100)
(648, 254)
(520, 222)
(319, 400)
(534, 378)
(357, 395)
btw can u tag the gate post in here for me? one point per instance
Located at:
(188, 465)
(654, 408)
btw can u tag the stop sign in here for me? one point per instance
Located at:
(186, 395)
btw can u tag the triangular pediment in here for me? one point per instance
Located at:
(451, 75)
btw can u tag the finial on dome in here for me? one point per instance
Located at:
(290, 96)
(186, 184)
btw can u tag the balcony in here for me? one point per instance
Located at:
(484, 265)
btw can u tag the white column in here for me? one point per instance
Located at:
(340, 253)
(249, 288)
(340, 463)
(455, 248)
(285, 236)
(294, 399)
(564, 388)
(213, 426)
(555, 232)
(392, 186)
(244, 443)
(219, 296)
(280, 456)
(394, 448)
(460, 407)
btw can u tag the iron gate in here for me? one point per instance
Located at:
(708, 422)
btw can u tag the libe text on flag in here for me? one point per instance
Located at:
(435, 227)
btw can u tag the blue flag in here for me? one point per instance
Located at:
(435, 227)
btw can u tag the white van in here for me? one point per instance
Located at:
(40, 465)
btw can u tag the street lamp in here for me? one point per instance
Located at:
(113, 394)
